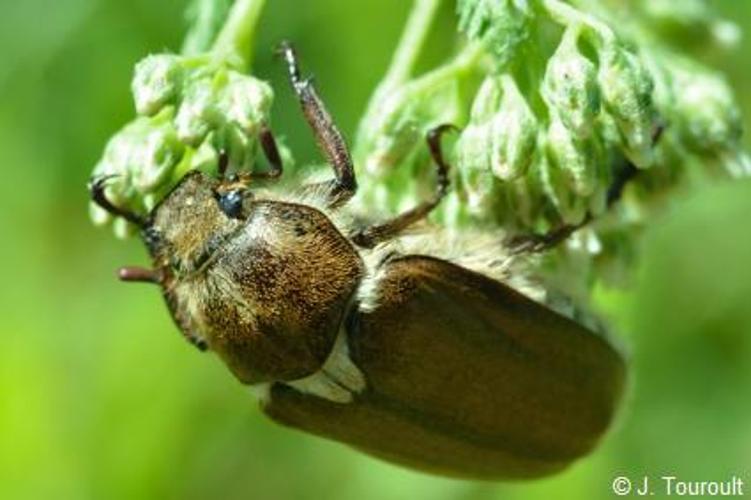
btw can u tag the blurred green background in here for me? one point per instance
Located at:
(100, 397)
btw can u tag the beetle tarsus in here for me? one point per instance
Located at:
(329, 138)
(371, 236)
(537, 243)
(433, 139)
(96, 190)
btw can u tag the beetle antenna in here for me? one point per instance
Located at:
(96, 190)
(133, 274)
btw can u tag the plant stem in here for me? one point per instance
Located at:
(411, 43)
(463, 63)
(235, 39)
(402, 64)
(568, 15)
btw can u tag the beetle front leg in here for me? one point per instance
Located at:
(329, 138)
(371, 236)
(96, 191)
(270, 151)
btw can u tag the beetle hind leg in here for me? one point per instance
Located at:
(372, 235)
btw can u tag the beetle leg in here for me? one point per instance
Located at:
(271, 151)
(134, 274)
(329, 138)
(622, 178)
(534, 243)
(222, 163)
(371, 236)
(96, 190)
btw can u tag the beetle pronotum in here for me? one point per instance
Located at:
(364, 334)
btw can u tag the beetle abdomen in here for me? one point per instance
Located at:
(466, 377)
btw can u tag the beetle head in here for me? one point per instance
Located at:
(193, 220)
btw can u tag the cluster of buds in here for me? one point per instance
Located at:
(558, 153)
(189, 109)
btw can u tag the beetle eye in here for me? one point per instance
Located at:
(231, 203)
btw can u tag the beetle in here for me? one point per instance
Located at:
(363, 332)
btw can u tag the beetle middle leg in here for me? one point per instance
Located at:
(372, 235)
(329, 138)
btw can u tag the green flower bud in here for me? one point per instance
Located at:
(153, 162)
(626, 89)
(711, 119)
(156, 82)
(570, 86)
(123, 229)
(571, 207)
(146, 150)
(140, 158)
(575, 158)
(502, 24)
(502, 132)
(478, 189)
(514, 134)
(488, 100)
(98, 215)
(194, 116)
(246, 101)
(397, 128)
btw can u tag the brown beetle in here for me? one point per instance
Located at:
(348, 334)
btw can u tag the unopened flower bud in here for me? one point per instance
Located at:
(514, 134)
(245, 101)
(396, 129)
(140, 159)
(197, 109)
(712, 120)
(570, 87)
(158, 154)
(477, 185)
(156, 82)
(502, 132)
(572, 156)
(626, 89)
(571, 208)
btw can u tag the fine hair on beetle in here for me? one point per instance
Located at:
(430, 348)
